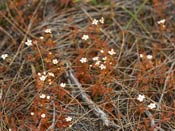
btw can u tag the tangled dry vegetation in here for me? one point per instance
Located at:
(90, 65)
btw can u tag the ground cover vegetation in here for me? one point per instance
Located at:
(87, 65)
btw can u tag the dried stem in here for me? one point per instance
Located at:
(97, 111)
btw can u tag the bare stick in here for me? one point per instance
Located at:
(165, 84)
(97, 111)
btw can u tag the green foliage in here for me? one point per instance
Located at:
(2, 6)
(94, 2)
(100, 2)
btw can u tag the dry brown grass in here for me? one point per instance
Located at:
(130, 28)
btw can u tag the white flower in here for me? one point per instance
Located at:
(68, 118)
(95, 22)
(42, 96)
(28, 42)
(104, 58)
(48, 31)
(112, 52)
(161, 21)
(152, 105)
(55, 61)
(85, 37)
(149, 57)
(97, 63)
(102, 67)
(63, 85)
(4, 56)
(32, 113)
(102, 51)
(48, 97)
(43, 115)
(83, 60)
(43, 77)
(41, 37)
(95, 58)
(51, 74)
(39, 74)
(102, 20)
(141, 55)
(140, 98)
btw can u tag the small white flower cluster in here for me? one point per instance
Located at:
(85, 37)
(161, 21)
(141, 55)
(48, 97)
(99, 63)
(43, 96)
(95, 21)
(28, 42)
(41, 37)
(32, 113)
(48, 31)
(51, 74)
(4, 56)
(55, 61)
(44, 75)
(149, 57)
(152, 106)
(63, 85)
(111, 52)
(50, 81)
(68, 119)
(104, 58)
(142, 97)
(102, 20)
(95, 58)
(102, 66)
(102, 51)
(42, 115)
(83, 60)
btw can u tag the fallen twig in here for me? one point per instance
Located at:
(97, 111)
